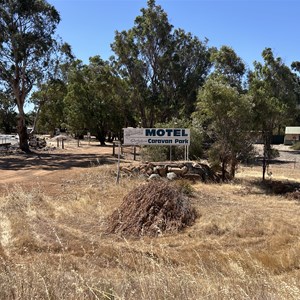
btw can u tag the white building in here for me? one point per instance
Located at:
(292, 135)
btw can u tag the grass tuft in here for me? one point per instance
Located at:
(244, 244)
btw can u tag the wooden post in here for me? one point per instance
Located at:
(118, 169)
(78, 142)
(114, 150)
(57, 141)
(62, 144)
(134, 152)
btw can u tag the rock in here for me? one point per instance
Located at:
(126, 170)
(179, 171)
(154, 177)
(135, 171)
(161, 171)
(143, 176)
(188, 170)
(171, 176)
(184, 170)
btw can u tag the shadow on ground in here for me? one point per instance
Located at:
(277, 187)
(53, 161)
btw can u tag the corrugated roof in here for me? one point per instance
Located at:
(292, 130)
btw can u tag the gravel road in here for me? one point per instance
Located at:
(287, 156)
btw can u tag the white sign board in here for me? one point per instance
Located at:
(157, 136)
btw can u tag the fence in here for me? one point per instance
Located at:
(129, 151)
(7, 140)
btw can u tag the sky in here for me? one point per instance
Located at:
(248, 26)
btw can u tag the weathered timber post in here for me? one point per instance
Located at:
(134, 152)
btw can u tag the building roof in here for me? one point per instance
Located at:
(292, 130)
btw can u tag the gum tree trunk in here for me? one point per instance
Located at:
(22, 132)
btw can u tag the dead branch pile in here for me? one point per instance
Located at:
(187, 170)
(152, 209)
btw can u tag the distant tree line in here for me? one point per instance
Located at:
(157, 74)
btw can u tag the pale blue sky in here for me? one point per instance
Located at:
(248, 26)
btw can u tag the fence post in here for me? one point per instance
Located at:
(134, 152)
(57, 141)
(114, 149)
(62, 144)
(118, 168)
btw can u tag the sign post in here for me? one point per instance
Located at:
(155, 137)
(118, 170)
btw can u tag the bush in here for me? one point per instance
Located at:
(296, 146)
(162, 153)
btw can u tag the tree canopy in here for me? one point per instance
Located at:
(158, 74)
(164, 67)
(275, 90)
(26, 44)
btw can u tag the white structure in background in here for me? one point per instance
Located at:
(9, 139)
(292, 135)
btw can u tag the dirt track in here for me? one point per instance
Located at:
(50, 167)
(288, 158)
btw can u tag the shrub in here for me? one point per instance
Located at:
(296, 146)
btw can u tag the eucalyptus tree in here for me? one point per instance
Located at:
(228, 65)
(96, 99)
(50, 91)
(49, 100)
(227, 115)
(275, 91)
(189, 67)
(225, 111)
(164, 66)
(26, 46)
(295, 66)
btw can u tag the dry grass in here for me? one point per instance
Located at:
(245, 244)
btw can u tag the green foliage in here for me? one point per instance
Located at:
(155, 153)
(96, 99)
(227, 116)
(229, 66)
(296, 146)
(275, 90)
(185, 187)
(26, 44)
(50, 102)
(8, 117)
(164, 67)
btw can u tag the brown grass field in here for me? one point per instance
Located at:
(245, 243)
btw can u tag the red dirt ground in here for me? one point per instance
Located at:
(50, 167)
